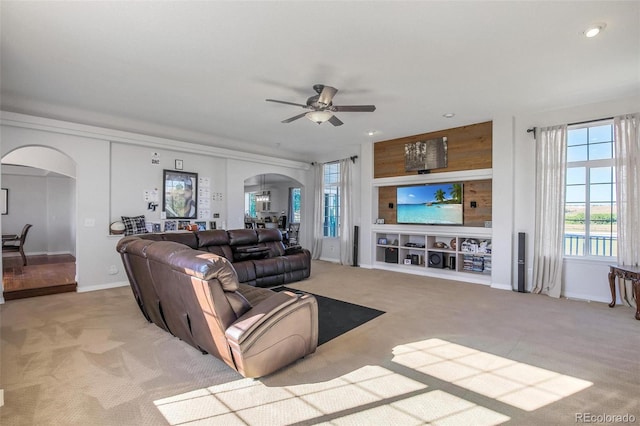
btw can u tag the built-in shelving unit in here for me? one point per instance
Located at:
(454, 253)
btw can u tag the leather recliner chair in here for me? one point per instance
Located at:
(196, 296)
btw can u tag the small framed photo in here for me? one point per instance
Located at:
(170, 225)
(178, 165)
(382, 241)
(407, 261)
(379, 221)
(202, 226)
(213, 225)
(183, 224)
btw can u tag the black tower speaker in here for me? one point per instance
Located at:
(356, 232)
(436, 259)
(521, 265)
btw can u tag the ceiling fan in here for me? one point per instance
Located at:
(322, 108)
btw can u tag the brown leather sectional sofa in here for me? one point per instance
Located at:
(258, 255)
(196, 296)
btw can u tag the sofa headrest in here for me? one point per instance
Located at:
(268, 235)
(206, 266)
(186, 238)
(135, 247)
(124, 243)
(242, 237)
(213, 237)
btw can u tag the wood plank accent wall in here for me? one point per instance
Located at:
(473, 190)
(468, 148)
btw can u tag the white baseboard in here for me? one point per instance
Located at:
(84, 289)
(330, 259)
(501, 286)
(587, 297)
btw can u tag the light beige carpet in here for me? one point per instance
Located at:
(444, 352)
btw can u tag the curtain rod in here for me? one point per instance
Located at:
(534, 129)
(352, 158)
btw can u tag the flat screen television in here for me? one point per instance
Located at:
(430, 204)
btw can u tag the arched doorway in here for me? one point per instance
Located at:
(274, 201)
(41, 187)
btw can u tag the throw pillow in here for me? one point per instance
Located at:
(134, 225)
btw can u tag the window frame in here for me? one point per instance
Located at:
(331, 188)
(292, 209)
(588, 166)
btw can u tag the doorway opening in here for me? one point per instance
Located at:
(41, 187)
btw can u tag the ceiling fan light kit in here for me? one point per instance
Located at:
(319, 116)
(322, 108)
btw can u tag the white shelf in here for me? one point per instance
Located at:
(465, 175)
(444, 252)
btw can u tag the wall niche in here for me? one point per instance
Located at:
(469, 148)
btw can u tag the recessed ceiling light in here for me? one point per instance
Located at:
(371, 132)
(449, 115)
(594, 30)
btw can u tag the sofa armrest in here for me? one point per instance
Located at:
(274, 333)
(259, 314)
(293, 250)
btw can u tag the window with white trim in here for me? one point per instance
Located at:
(590, 222)
(331, 222)
(294, 205)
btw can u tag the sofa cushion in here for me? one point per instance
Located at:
(242, 237)
(215, 241)
(250, 253)
(208, 266)
(186, 238)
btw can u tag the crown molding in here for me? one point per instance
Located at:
(69, 128)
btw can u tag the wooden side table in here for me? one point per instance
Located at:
(627, 273)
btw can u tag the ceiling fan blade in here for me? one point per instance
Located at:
(335, 121)
(327, 95)
(289, 120)
(353, 108)
(286, 103)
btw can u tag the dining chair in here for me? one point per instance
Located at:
(15, 243)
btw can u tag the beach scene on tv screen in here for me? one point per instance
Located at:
(430, 204)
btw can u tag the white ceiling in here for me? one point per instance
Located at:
(201, 71)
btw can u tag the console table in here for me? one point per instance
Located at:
(627, 273)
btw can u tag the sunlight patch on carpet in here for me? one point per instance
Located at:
(515, 383)
(353, 398)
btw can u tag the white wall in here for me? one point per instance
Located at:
(132, 173)
(93, 249)
(582, 278)
(107, 158)
(46, 203)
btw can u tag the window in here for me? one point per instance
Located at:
(590, 207)
(331, 220)
(294, 205)
(250, 204)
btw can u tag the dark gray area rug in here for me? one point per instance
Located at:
(336, 317)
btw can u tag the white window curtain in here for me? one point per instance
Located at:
(346, 211)
(551, 164)
(627, 160)
(318, 210)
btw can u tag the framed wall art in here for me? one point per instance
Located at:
(180, 196)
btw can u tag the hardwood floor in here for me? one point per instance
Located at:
(43, 275)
